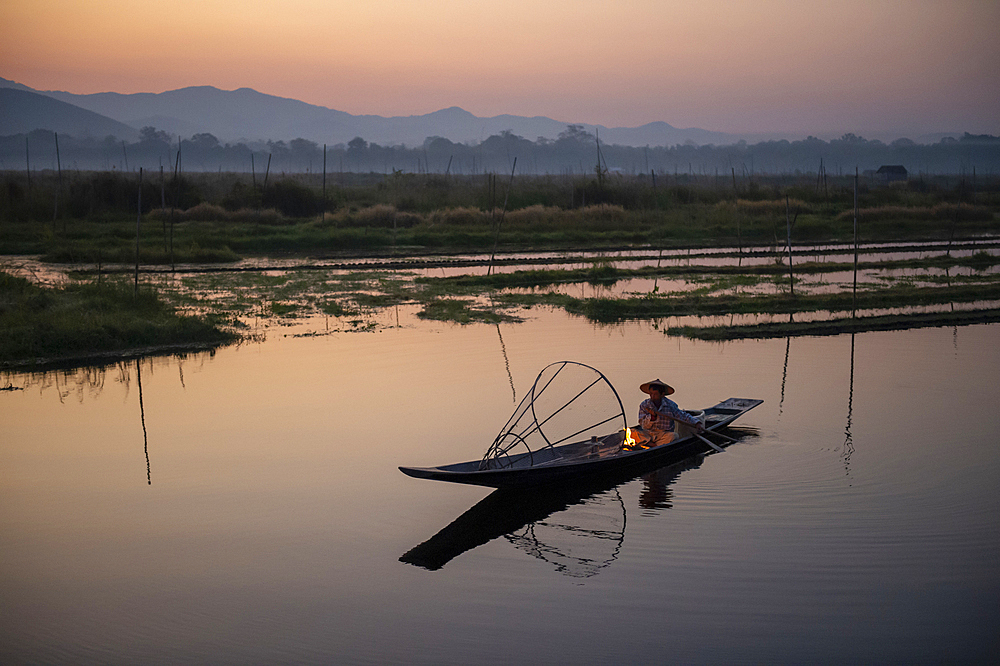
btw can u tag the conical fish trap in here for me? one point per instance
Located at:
(568, 402)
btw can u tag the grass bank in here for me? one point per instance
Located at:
(607, 310)
(836, 326)
(80, 321)
(221, 218)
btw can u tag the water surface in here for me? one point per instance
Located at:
(250, 509)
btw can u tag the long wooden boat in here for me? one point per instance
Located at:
(593, 456)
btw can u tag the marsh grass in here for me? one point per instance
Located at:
(836, 326)
(606, 310)
(462, 312)
(604, 271)
(84, 318)
(221, 216)
(944, 212)
(717, 290)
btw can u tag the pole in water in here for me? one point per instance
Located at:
(502, 213)
(138, 217)
(736, 204)
(55, 212)
(27, 161)
(854, 298)
(788, 226)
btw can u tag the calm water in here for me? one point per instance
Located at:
(263, 519)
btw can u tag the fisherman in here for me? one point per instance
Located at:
(657, 415)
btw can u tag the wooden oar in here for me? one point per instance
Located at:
(719, 434)
(714, 446)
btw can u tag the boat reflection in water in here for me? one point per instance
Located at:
(585, 537)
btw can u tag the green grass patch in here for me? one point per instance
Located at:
(836, 326)
(462, 312)
(607, 310)
(84, 319)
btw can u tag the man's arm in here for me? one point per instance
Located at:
(678, 414)
(647, 415)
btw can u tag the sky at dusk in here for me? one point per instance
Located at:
(912, 66)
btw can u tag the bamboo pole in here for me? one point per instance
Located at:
(788, 237)
(55, 212)
(854, 299)
(600, 172)
(163, 206)
(496, 239)
(173, 208)
(138, 217)
(736, 203)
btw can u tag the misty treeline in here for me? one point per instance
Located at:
(575, 151)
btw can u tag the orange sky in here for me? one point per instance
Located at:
(728, 65)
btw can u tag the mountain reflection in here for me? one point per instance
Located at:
(586, 537)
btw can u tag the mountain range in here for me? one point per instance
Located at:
(248, 115)
(245, 115)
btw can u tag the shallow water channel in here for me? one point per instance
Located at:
(245, 506)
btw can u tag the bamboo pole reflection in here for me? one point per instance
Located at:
(503, 350)
(954, 330)
(90, 382)
(848, 437)
(142, 417)
(506, 362)
(784, 373)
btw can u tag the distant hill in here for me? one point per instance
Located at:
(22, 111)
(246, 114)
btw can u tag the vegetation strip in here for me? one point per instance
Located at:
(607, 310)
(82, 321)
(605, 271)
(221, 217)
(837, 326)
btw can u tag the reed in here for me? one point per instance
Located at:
(962, 212)
(458, 213)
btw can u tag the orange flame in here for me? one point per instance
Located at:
(629, 441)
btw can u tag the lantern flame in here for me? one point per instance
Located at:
(630, 443)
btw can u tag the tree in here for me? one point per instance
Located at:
(303, 147)
(149, 134)
(852, 138)
(204, 141)
(576, 133)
